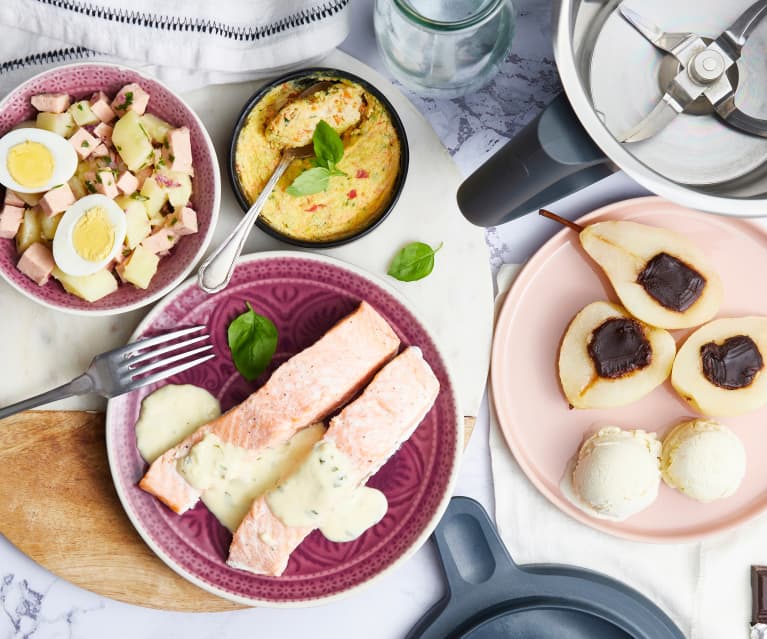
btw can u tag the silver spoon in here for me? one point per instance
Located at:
(217, 269)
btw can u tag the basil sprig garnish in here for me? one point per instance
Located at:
(328, 151)
(252, 341)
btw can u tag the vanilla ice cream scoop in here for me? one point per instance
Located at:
(617, 472)
(703, 459)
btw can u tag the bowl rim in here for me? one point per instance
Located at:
(404, 161)
(206, 240)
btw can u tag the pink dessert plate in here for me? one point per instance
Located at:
(544, 433)
(81, 80)
(304, 295)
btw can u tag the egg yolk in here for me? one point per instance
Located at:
(93, 236)
(30, 164)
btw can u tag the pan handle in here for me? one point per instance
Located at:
(478, 568)
(550, 158)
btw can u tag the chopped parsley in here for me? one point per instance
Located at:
(89, 186)
(139, 197)
(85, 143)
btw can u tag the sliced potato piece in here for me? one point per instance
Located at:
(30, 230)
(60, 123)
(156, 196)
(157, 128)
(137, 224)
(177, 185)
(140, 267)
(89, 287)
(81, 113)
(132, 141)
(48, 225)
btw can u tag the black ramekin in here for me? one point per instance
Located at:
(309, 74)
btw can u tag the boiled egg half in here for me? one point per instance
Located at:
(35, 160)
(89, 236)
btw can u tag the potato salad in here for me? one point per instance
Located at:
(97, 191)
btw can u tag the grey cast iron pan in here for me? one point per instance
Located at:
(490, 597)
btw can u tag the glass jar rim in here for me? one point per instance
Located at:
(448, 25)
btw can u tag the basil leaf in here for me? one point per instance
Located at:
(413, 262)
(310, 181)
(252, 341)
(328, 147)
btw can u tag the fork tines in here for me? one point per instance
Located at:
(156, 358)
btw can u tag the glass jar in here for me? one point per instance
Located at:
(443, 48)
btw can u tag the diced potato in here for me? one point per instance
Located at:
(60, 123)
(31, 199)
(82, 114)
(140, 267)
(89, 287)
(77, 186)
(30, 230)
(179, 195)
(124, 201)
(48, 225)
(156, 198)
(155, 127)
(137, 224)
(131, 141)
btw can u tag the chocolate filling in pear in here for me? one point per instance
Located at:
(671, 282)
(618, 347)
(732, 364)
(661, 277)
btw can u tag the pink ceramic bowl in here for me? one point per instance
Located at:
(80, 81)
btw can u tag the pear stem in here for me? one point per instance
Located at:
(558, 218)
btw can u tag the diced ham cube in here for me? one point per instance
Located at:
(37, 263)
(10, 220)
(83, 142)
(183, 222)
(101, 151)
(58, 199)
(100, 107)
(130, 98)
(105, 183)
(127, 183)
(104, 132)
(51, 102)
(180, 150)
(160, 241)
(12, 198)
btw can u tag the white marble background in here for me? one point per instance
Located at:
(36, 604)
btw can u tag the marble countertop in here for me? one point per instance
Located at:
(34, 603)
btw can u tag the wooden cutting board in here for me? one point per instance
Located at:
(60, 508)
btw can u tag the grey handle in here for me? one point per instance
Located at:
(478, 568)
(78, 386)
(552, 157)
(216, 271)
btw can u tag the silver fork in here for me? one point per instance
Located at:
(127, 368)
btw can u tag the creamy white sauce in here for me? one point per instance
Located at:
(324, 494)
(231, 477)
(170, 414)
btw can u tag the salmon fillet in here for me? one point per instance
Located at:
(368, 431)
(303, 390)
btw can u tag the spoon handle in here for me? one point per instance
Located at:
(217, 269)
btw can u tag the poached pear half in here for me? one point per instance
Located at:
(609, 358)
(719, 370)
(660, 276)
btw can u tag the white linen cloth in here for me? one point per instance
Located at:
(704, 587)
(186, 43)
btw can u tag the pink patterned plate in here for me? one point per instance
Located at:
(543, 433)
(304, 295)
(80, 81)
